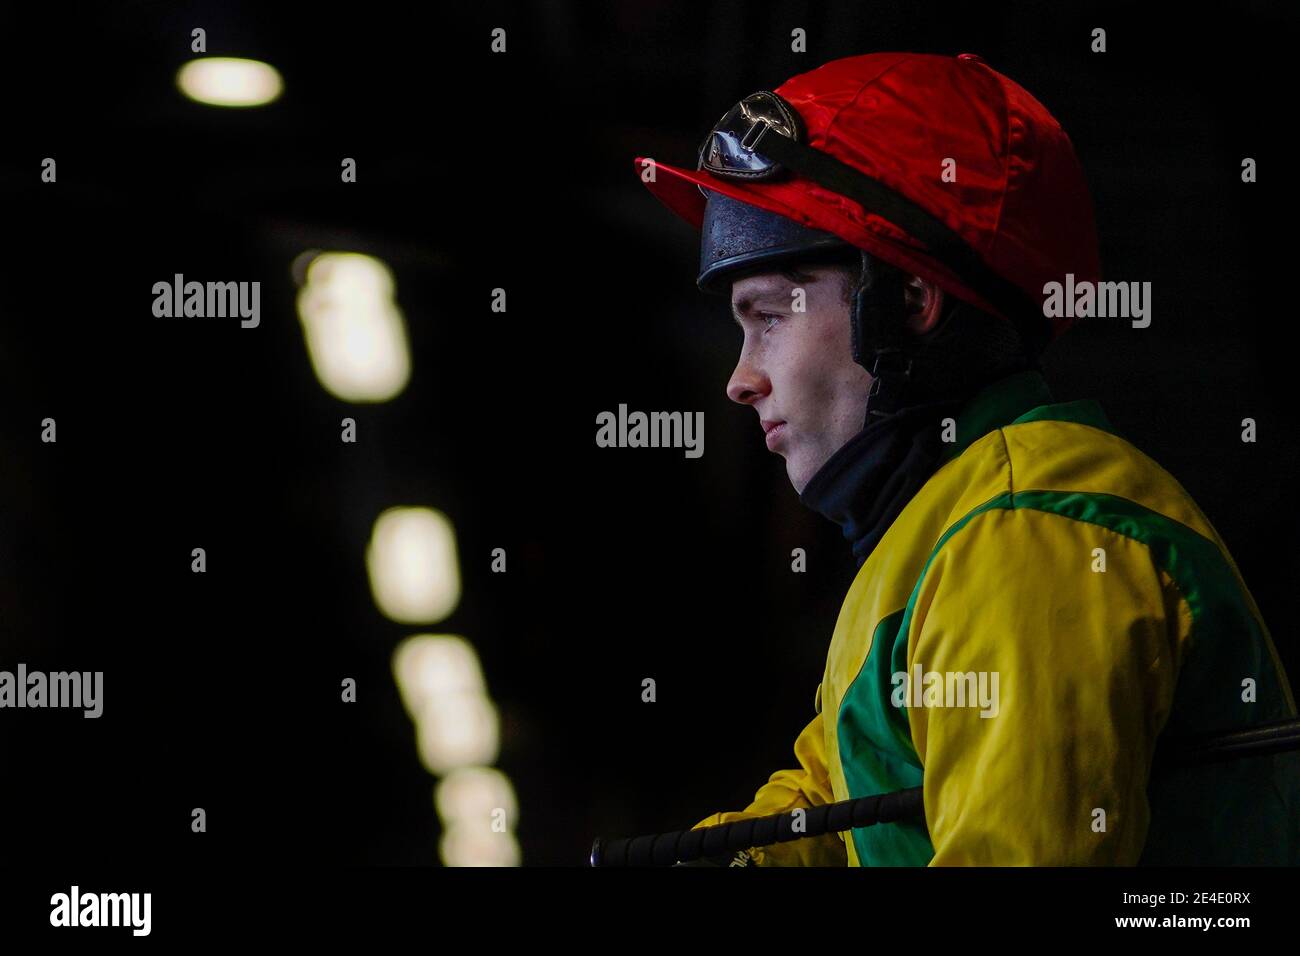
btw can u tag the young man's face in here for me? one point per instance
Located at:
(796, 369)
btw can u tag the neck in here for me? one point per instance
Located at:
(864, 485)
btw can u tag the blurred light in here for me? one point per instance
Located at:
(356, 336)
(411, 557)
(471, 794)
(442, 689)
(475, 845)
(428, 665)
(229, 81)
(458, 730)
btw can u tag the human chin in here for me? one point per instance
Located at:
(798, 468)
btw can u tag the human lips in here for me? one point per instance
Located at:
(773, 430)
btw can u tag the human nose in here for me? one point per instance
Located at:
(748, 382)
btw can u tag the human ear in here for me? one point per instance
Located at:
(924, 304)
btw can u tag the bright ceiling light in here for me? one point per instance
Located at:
(229, 81)
(462, 845)
(414, 574)
(356, 336)
(432, 665)
(441, 686)
(473, 795)
(461, 730)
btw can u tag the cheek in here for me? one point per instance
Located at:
(809, 374)
(834, 385)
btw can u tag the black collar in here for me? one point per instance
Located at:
(865, 485)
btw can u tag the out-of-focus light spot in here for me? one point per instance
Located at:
(458, 730)
(411, 557)
(442, 689)
(431, 665)
(356, 336)
(478, 844)
(229, 81)
(470, 793)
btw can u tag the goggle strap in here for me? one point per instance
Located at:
(944, 244)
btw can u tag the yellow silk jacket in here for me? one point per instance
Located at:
(1087, 609)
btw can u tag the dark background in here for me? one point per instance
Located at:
(475, 171)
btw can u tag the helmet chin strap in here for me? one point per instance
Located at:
(878, 333)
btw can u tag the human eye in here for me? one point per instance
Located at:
(769, 320)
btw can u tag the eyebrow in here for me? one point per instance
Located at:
(774, 288)
(745, 303)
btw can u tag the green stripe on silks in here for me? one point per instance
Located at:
(1083, 412)
(876, 751)
(1246, 811)
(997, 405)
